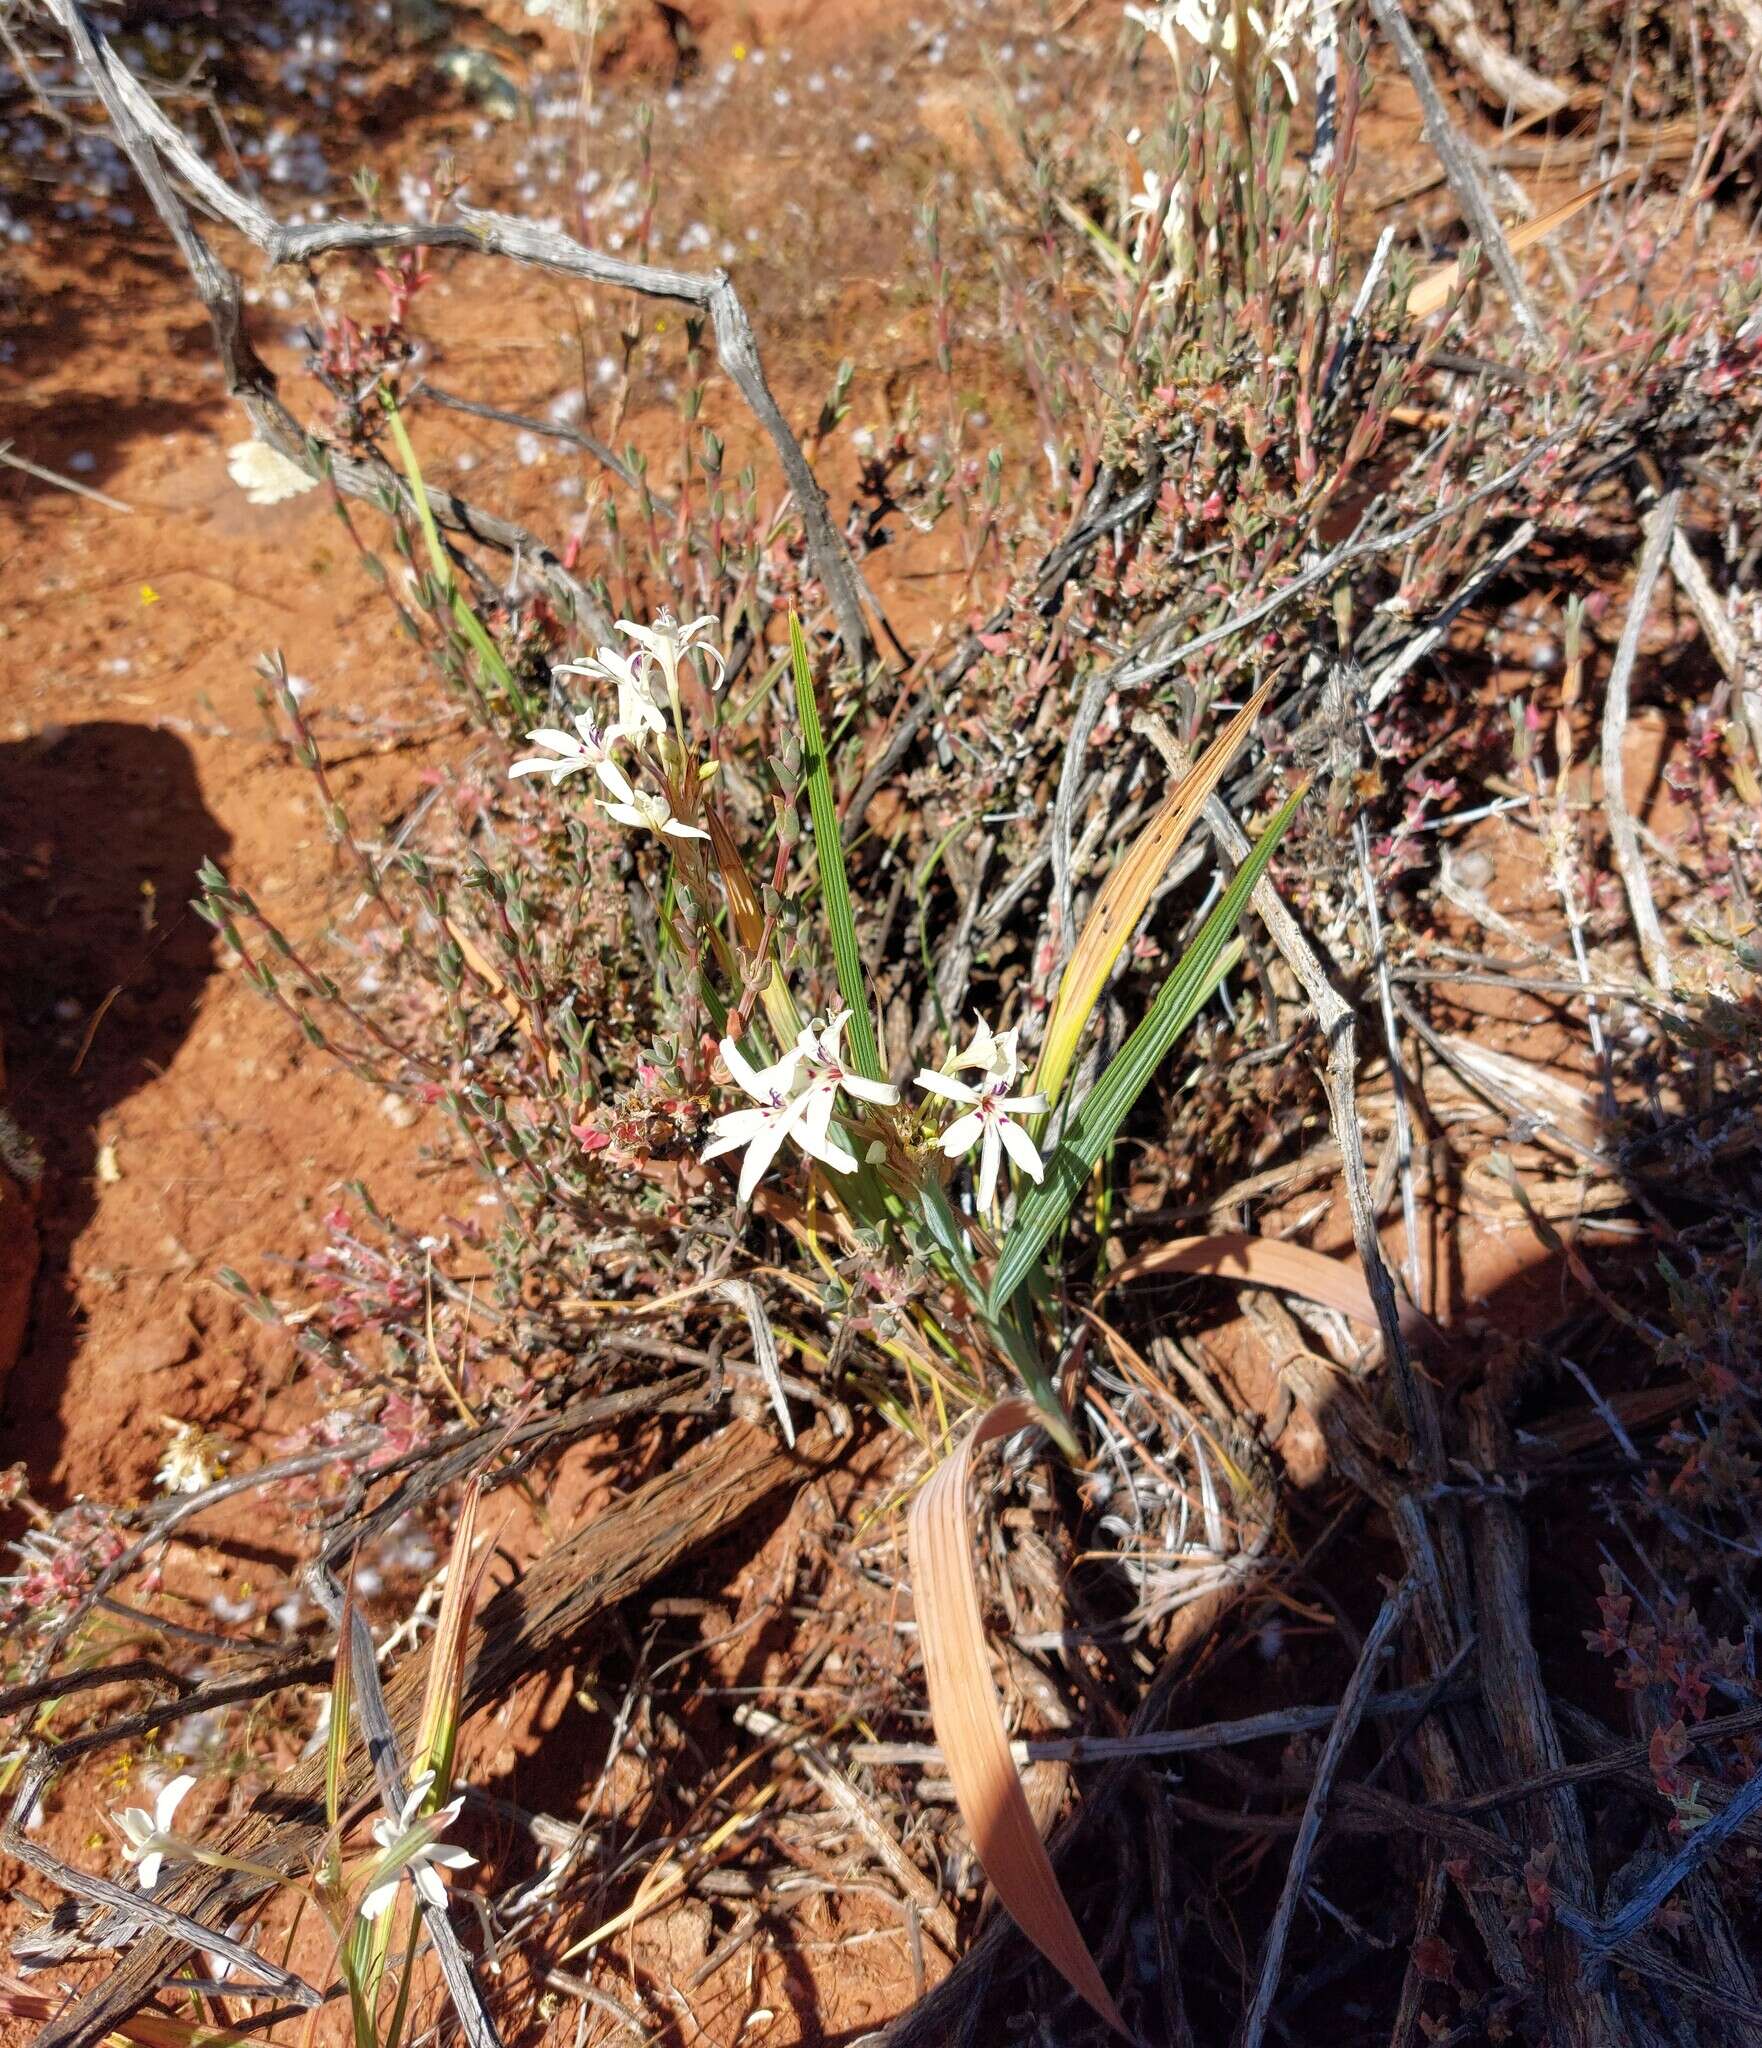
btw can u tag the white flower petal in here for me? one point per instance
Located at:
(759, 1154)
(813, 1131)
(990, 1152)
(377, 1897)
(735, 1128)
(170, 1798)
(136, 1825)
(1020, 1147)
(870, 1091)
(149, 1868)
(617, 782)
(934, 1083)
(745, 1074)
(962, 1135)
(675, 828)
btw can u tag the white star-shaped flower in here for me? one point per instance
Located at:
(824, 1075)
(780, 1103)
(147, 1839)
(991, 1109)
(412, 1848)
(265, 474)
(644, 810)
(637, 710)
(667, 641)
(589, 746)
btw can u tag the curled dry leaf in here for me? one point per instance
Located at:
(1431, 293)
(1261, 1262)
(968, 1715)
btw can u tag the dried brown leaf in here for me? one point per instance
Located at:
(1432, 292)
(1261, 1262)
(968, 1715)
(438, 1730)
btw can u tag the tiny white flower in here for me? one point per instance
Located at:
(637, 709)
(1151, 204)
(643, 809)
(412, 1847)
(265, 474)
(147, 1839)
(991, 1109)
(780, 1105)
(192, 1459)
(589, 746)
(666, 641)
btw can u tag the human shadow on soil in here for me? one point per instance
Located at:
(102, 830)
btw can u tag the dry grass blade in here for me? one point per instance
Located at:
(1432, 292)
(1125, 894)
(968, 1715)
(438, 1730)
(1261, 1262)
(744, 909)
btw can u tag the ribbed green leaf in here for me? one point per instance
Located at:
(1106, 1106)
(834, 889)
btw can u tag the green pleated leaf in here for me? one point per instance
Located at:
(834, 889)
(1092, 1130)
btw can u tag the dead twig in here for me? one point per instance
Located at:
(1625, 843)
(687, 1505)
(1315, 1810)
(1730, 648)
(555, 430)
(151, 142)
(61, 483)
(1459, 165)
(1517, 1702)
(920, 1892)
(1508, 80)
(1402, 1137)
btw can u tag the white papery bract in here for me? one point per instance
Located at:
(265, 474)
